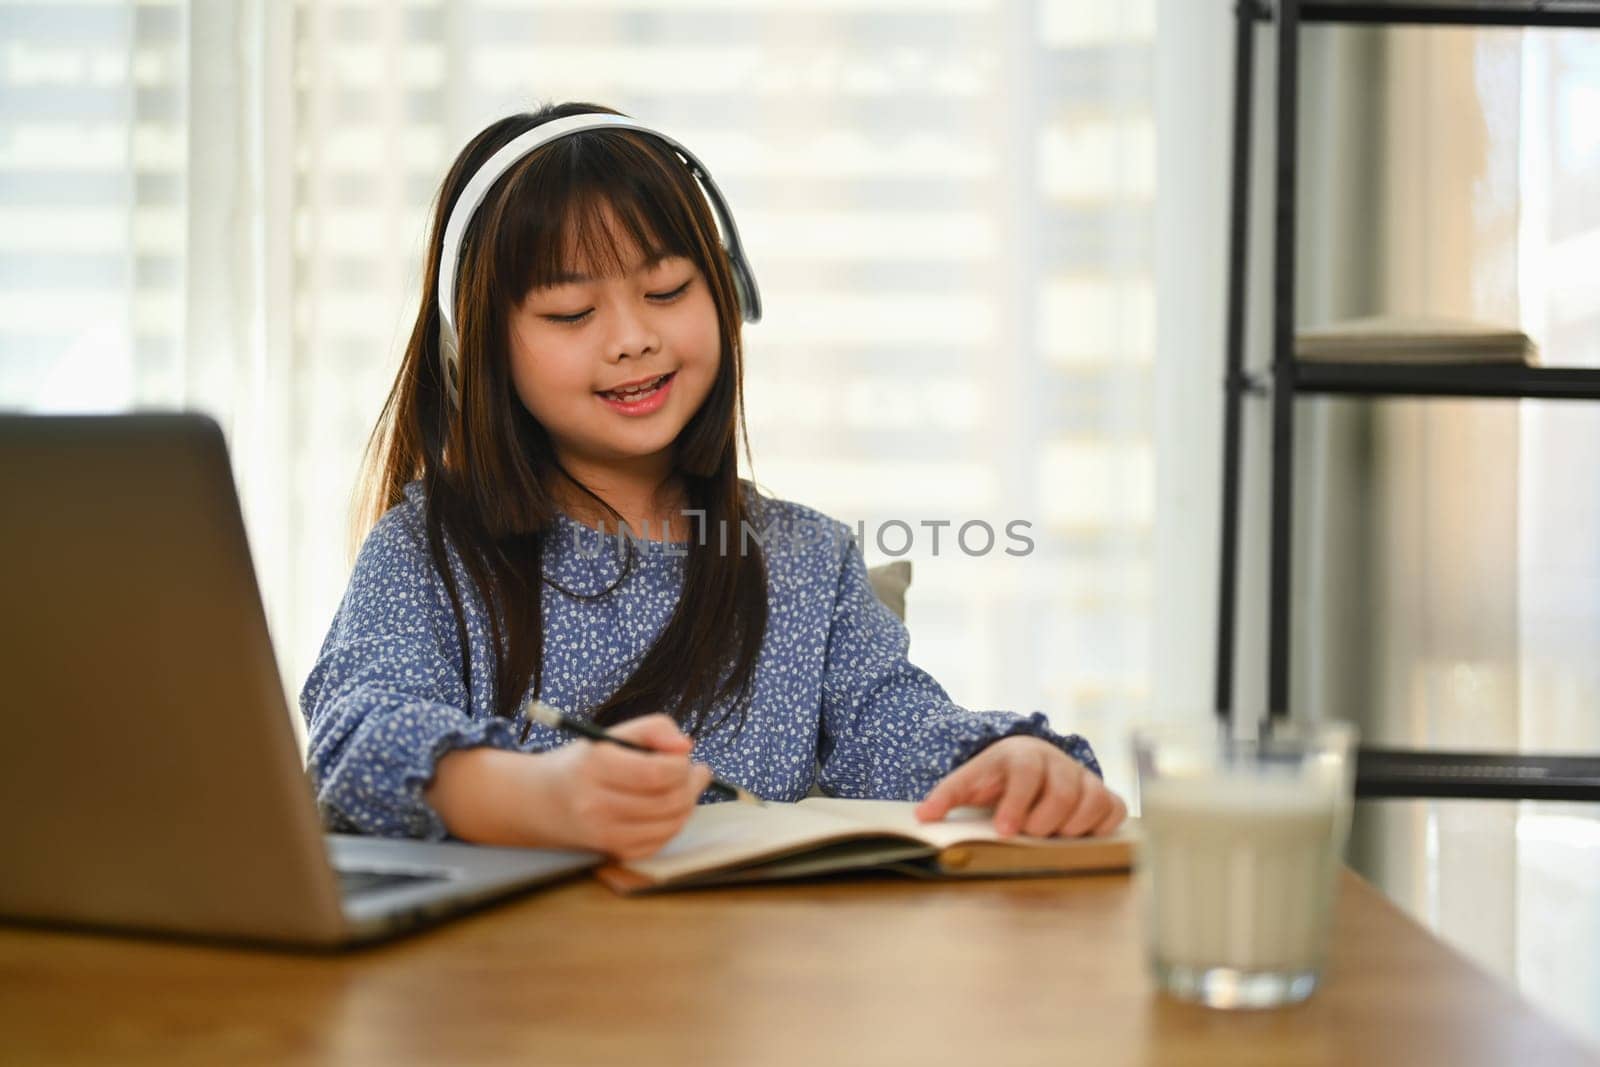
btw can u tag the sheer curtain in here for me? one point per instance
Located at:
(1450, 549)
(142, 237)
(952, 208)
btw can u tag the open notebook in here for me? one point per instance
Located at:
(729, 843)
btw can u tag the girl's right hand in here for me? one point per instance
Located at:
(606, 798)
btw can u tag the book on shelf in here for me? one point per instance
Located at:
(725, 844)
(1407, 339)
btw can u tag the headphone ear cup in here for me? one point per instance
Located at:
(450, 363)
(744, 286)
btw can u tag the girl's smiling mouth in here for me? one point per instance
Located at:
(640, 397)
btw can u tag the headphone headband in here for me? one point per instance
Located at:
(477, 187)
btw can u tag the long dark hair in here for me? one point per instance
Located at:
(489, 471)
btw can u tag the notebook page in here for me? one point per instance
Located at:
(960, 826)
(725, 835)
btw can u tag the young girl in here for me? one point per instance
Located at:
(585, 378)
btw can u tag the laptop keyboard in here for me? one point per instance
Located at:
(353, 883)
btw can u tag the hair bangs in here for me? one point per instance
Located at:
(597, 205)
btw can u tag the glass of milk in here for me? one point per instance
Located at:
(1240, 852)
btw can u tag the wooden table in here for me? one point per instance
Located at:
(860, 972)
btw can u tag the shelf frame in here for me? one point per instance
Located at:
(1392, 773)
(1506, 381)
(1457, 13)
(1380, 772)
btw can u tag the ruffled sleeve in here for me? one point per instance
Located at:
(386, 698)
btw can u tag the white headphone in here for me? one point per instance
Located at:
(744, 279)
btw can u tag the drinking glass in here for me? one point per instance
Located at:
(1238, 864)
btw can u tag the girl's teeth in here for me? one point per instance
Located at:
(637, 392)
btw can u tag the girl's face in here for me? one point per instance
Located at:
(613, 367)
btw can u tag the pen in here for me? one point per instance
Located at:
(539, 711)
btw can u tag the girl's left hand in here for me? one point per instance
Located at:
(1035, 788)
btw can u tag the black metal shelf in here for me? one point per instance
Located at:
(1549, 13)
(1388, 773)
(1505, 380)
(1380, 772)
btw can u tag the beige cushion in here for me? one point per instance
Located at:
(890, 581)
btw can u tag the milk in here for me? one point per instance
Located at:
(1237, 871)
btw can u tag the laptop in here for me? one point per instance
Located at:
(149, 776)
